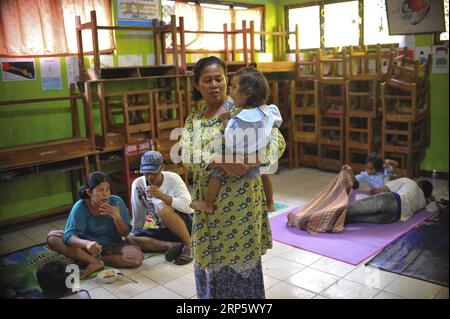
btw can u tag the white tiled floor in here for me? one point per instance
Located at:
(289, 272)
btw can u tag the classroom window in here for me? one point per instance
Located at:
(308, 20)
(375, 24)
(47, 28)
(197, 17)
(341, 24)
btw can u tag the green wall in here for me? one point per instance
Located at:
(23, 124)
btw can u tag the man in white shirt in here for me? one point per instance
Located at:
(162, 217)
(399, 199)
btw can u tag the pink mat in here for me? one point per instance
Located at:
(358, 242)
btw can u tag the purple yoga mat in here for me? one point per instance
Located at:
(355, 244)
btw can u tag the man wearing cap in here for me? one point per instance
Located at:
(166, 194)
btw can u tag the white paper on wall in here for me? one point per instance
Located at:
(130, 60)
(440, 59)
(72, 70)
(50, 73)
(421, 54)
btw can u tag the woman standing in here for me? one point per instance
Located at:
(228, 242)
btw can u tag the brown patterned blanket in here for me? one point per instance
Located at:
(327, 210)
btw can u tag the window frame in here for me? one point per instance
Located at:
(321, 5)
(231, 6)
(286, 21)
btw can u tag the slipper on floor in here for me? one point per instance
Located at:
(184, 258)
(173, 253)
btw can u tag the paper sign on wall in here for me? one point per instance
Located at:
(421, 54)
(72, 70)
(18, 69)
(50, 73)
(130, 60)
(137, 12)
(106, 61)
(440, 59)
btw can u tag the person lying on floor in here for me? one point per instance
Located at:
(397, 200)
(162, 218)
(330, 209)
(95, 227)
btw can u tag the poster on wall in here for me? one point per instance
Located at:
(137, 12)
(72, 70)
(106, 61)
(50, 73)
(421, 54)
(130, 60)
(415, 16)
(440, 59)
(18, 69)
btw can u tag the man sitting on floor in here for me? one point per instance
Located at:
(162, 218)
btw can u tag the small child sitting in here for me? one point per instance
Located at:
(249, 91)
(51, 277)
(374, 175)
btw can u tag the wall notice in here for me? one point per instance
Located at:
(440, 59)
(50, 73)
(18, 69)
(137, 12)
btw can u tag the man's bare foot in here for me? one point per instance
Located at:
(93, 267)
(271, 207)
(202, 206)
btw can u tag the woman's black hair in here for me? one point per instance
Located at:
(254, 85)
(426, 187)
(376, 161)
(199, 67)
(93, 180)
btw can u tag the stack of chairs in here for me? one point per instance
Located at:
(405, 100)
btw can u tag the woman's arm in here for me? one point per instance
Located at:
(92, 247)
(232, 169)
(264, 157)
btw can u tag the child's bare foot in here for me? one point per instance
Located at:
(92, 267)
(202, 206)
(271, 207)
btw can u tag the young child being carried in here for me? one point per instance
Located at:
(247, 131)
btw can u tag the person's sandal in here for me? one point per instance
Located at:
(184, 258)
(173, 253)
